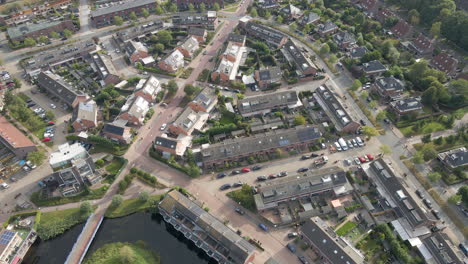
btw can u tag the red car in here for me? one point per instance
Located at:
(370, 157)
(362, 160)
(46, 139)
(50, 123)
(245, 170)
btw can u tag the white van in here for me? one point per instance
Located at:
(337, 146)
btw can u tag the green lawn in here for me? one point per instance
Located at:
(115, 165)
(345, 228)
(244, 197)
(129, 207)
(120, 253)
(90, 194)
(426, 129)
(52, 224)
(231, 8)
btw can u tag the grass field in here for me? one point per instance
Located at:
(345, 228)
(231, 8)
(114, 253)
(129, 207)
(426, 129)
(115, 165)
(52, 224)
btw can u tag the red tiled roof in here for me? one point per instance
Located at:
(368, 4)
(386, 13)
(444, 62)
(422, 43)
(401, 29)
(12, 135)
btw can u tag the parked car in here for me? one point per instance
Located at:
(362, 122)
(347, 162)
(245, 170)
(427, 203)
(370, 157)
(271, 176)
(362, 160)
(303, 169)
(304, 157)
(420, 194)
(263, 227)
(53, 106)
(221, 175)
(436, 214)
(4, 185)
(282, 174)
(359, 141)
(256, 167)
(235, 172)
(350, 144)
(355, 144)
(292, 235)
(163, 127)
(26, 168)
(303, 260)
(47, 139)
(31, 165)
(237, 184)
(386, 120)
(50, 123)
(291, 247)
(463, 248)
(261, 178)
(314, 155)
(239, 211)
(225, 187)
(31, 105)
(163, 104)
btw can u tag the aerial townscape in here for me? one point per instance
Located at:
(233, 131)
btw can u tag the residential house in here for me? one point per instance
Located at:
(207, 232)
(271, 36)
(455, 158)
(14, 139)
(311, 183)
(437, 249)
(406, 106)
(229, 63)
(267, 77)
(57, 87)
(389, 88)
(10, 241)
(291, 12)
(86, 170)
(84, 116)
(422, 45)
(326, 28)
(134, 110)
(357, 52)
(132, 33)
(445, 63)
(66, 153)
(295, 57)
(310, 18)
(335, 110)
(117, 132)
(369, 6)
(344, 40)
(173, 62)
(148, 88)
(26, 15)
(19, 33)
(135, 51)
(373, 68)
(199, 34)
(268, 4)
(68, 181)
(188, 47)
(330, 247)
(167, 146)
(266, 103)
(186, 122)
(105, 16)
(237, 39)
(401, 30)
(240, 149)
(105, 69)
(209, 4)
(384, 14)
(208, 20)
(204, 101)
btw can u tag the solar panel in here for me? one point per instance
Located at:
(6, 237)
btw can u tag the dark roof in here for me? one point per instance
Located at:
(441, 250)
(120, 7)
(113, 129)
(373, 66)
(166, 142)
(272, 73)
(266, 101)
(54, 83)
(343, 37)
(302, 64)
(6, 237)
(324, 239)
(236, 38)
(444, 62)
(455, 157)
(206, 97)
(407, 104)
(340, 115)
(268, 34)
(358, 52)
(253, 144)
(389, 84)
(291, 10)
(140, 30)
(309, 18)
(327, 26)
(196, 31)
(269, 4)
(401, 29)
(406, 207)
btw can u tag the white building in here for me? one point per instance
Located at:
(66, 153)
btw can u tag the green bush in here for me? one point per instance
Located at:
(244, 197)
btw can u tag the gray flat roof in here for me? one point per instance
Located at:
(266, 101)
(124, 6)
(340, 114)
(23, 29)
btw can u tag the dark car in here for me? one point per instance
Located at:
(31, 105)
(29, 101)
(362, 122)
(427, 203)
(272, 176)
(225, 187)
(314, 155)
(303, 260)
(291, 247)
(263, 227)
(256, 167)
(305, 157)
(282, 174)
(302, 169)
(436, 214)
(292, 235)
(420, 194)
(386, 120)
(221, 175)
(237, 184)
(240, 211)
(234, 172)
(261, 178)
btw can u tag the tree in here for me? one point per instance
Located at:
(191, 7)
(385, 149)
(435, 29)
(172, 87)
(118, 20)
(279, 19)
(54, 35)
(145, 13)
(373, 104)
(17, 83)
(324, 49)
(29, 42)
(50, 115)
(164, 37)
(67, 33)
(364, 95)
(159, 47)
(116, 200)
(36, 157)
(293, 26)
(126, 255)
(434, 176)
(370, 131)
(428, 152)
(381, 115)
(86, 208)
(216, 7)
(426, 138)
(413, 15)
(190, 90)
(454, 199)
(158, 10)
(463, 191)
(144, 196)
(42, 39)
(193, 171)
(418, 158)
(333, 59)
(133, 16)
(253, 12)
(299, 120)
(356, 85)
(202, 7)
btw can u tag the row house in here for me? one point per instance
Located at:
(268, 4)
(135, 51)
(28, 14)
(13, 139)
(188, 47)
(148, 89)
(105, 68)
(297, 59)
(421, 45)
(59, 88)
(237, 39)
(200, 34)
(271, 36)
(105, 16)
(267, 103)
(401, 30)
(444, 63)
(19, 33)
(173, 62)
(208, 20)
(84, 116)
(209, 4)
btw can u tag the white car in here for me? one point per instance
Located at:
(26, 168)
(53, 106)
(31, 165)
(357, 161)
(163, 126)
(4, 185)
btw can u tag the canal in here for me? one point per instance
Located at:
(172, 246)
